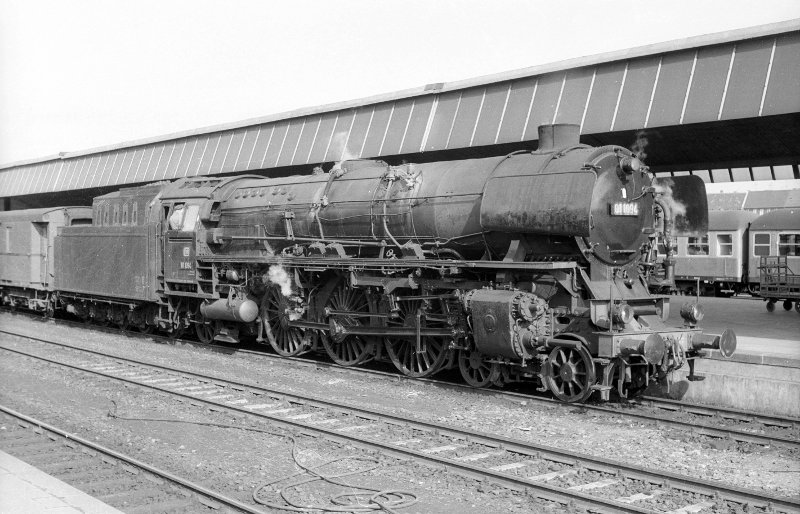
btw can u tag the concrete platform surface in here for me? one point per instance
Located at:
(763, 337)
(764, 373)
(25, 489)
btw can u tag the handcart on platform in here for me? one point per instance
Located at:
(779, 282)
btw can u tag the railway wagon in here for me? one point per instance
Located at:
(515, 268)
(727, 260)
(717, 260)
(775, 239)
(27, 263)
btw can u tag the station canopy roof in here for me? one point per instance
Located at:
(721, 100)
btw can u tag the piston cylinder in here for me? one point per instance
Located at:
(243, 310)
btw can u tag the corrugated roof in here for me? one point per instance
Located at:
(748, 73)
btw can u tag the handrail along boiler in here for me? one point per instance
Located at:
(522, 267)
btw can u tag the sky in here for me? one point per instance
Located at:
(81, 74)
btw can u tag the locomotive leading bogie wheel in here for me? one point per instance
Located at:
(348, 350)
(285, 340)
(787, 305)
(433, 352)
(475, 370)
(570, 373)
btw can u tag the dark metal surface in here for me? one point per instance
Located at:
(107, 261)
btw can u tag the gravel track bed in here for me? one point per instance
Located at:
(770, 470)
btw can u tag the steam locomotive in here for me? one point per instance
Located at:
(524, 267)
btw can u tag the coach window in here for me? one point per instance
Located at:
(789, 244)
(116, 214)
(724, 244)
(761, 244)
(135, 213)
(125, 214)
(698, 245)
(105, 214)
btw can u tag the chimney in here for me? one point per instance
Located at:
(558, 136)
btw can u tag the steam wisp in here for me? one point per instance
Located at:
(278, 276)
(639, 145)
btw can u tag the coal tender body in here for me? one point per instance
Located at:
(516, 268)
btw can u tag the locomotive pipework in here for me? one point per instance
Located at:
(515, 268)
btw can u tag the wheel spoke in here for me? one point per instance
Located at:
(349, 350)
(284, 339)
(570, 374)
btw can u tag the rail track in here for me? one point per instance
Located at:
(557, 475)
(115, 478)
(702, 420)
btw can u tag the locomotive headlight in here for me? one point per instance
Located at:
(630, 164)
(623, 313)
(692, 313)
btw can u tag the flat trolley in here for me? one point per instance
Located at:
(779, 282)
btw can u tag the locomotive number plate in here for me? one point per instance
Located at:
(624, 209)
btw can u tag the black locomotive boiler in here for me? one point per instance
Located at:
(516, 268)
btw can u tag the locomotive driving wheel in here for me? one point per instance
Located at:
(569, 373)
(475, 369)
(286, 340)
(348, 350)
(429, 356)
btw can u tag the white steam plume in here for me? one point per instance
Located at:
(277, 275)
(339, 147)
(664, 188)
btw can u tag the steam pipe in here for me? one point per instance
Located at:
(669, 260)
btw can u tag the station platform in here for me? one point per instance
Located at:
(764, 373)
(25, 489)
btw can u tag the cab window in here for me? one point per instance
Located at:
(184, 217)
(176, 218)
(190, 218)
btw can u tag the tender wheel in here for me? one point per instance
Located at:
(123, 323)
(797, 306)
(206, 331)
(787, 305)
(771, 306)
(475, 370)
(284, 339)
(348, 350)
(49, 309)
(433, 352)
(144, 328)
(570, 374)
